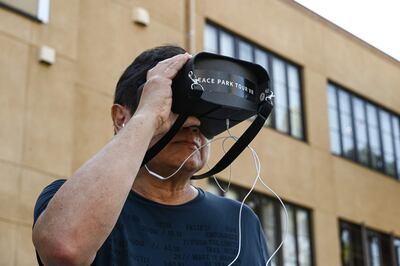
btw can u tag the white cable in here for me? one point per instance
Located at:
(240, 211)
(230, 166)
(183, 163)
(284, 208)
(230, 171)
(258, 169)
(257, 165)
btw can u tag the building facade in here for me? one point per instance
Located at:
(330, 150)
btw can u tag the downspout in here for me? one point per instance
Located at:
(191, 26)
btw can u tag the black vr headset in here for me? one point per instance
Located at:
(215, 88)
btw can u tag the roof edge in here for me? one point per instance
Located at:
(341, 30)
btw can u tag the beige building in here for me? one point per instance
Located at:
(331, 149)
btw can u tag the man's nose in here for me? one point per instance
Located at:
(193, 123)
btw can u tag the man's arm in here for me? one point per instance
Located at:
(83, 212)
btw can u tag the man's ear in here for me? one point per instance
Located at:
(120, 116)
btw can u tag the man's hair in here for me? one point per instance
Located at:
(135, 74)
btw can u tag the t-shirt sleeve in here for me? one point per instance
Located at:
(45, 196)
(263, 243)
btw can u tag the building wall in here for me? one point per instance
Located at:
(306, 172)
(56, 117)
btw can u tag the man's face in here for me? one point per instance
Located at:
(184, 143)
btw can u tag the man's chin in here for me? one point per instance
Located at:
(190, 166)
(168, 165)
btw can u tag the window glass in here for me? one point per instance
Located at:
(332, 101)
(245, 51)
(346, 246)
(351, 245)
(396, 133)
(269, 226)
(387, 140)
(346, 124)
(374, 138)
(297, 250)
(333, 120)
(227, 44)
(293, 78)
(397, 251)
(281, 119)
(374, 249)
(210, 39)
(278, 68)
(378, 246)
(295, 113)
(280, 95)
(296, 126)
(360, 126)
(281, 105)
(289, 246)
(335, 142)
(386, 249)
(295, 102)
(303, 238)
(261, 58)
(287, 115)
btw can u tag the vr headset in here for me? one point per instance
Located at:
(215, 88)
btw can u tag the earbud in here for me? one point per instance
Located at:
(123, 125)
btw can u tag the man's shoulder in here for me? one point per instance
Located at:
(220, 199)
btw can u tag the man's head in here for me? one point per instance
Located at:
(135, 74)
(126, 102)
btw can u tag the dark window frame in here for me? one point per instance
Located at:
(258, 198)
(270, 56)
(396, 249)
(352, 228)
(365, 233)
(377, 110)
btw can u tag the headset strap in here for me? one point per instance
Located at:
(153, 151)
(241, 143)
(194, 93)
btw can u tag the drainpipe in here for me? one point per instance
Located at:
(191, 26)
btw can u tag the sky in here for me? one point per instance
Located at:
(375, 21)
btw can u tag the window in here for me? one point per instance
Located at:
(379, 249)
(336, 146)
(35, 9)
(397, 250)
(287, 116)
(363, 132)
(297, 250)
(351, 245)
(359, 243)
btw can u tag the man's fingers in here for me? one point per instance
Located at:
(173, 69)
(169, 67)
(173, 59)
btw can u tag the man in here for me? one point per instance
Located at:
(113, 212)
